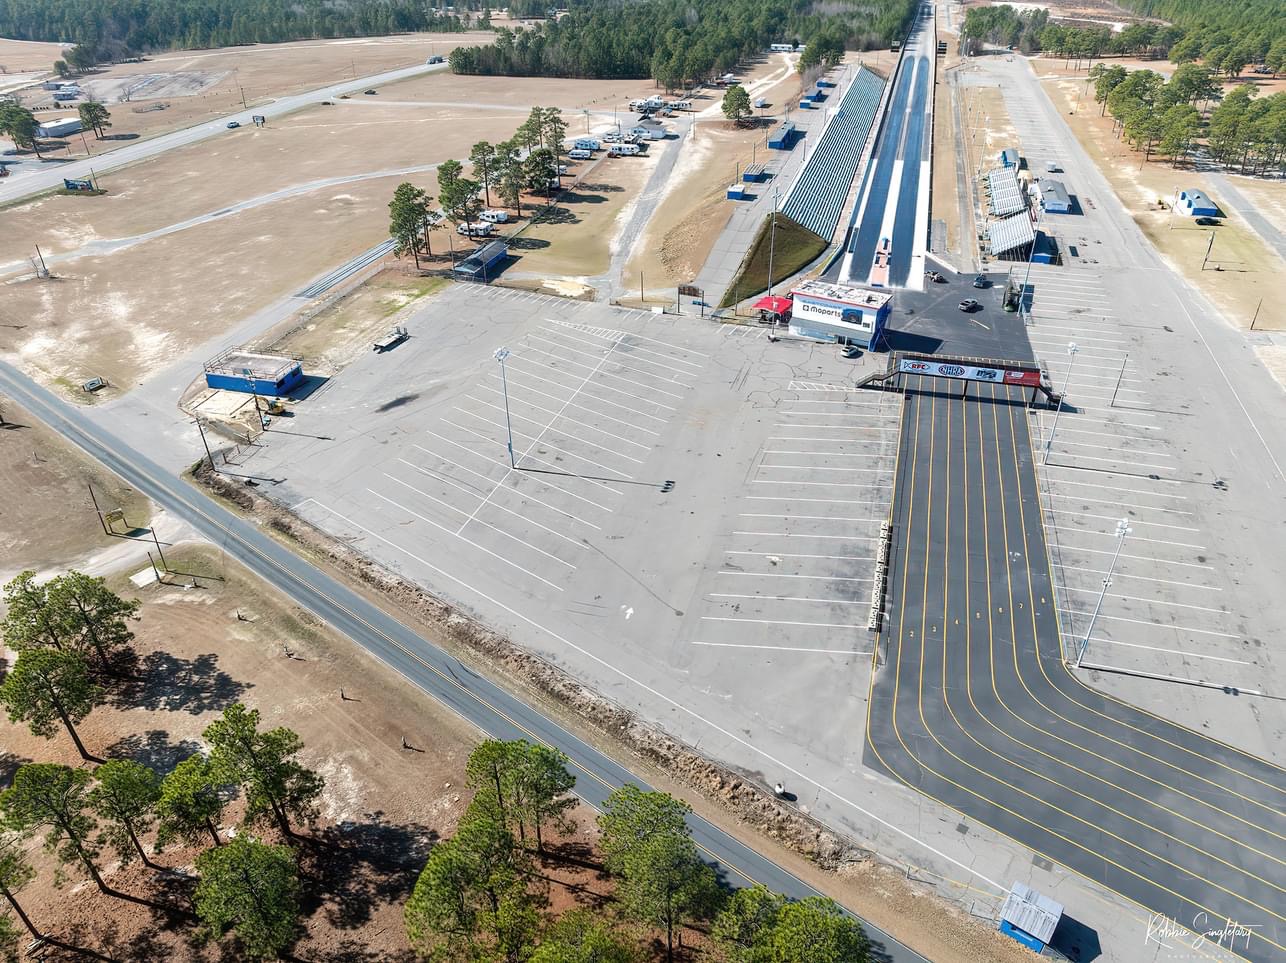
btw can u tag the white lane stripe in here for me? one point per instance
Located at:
(518, 416)
(814, 625)
(1140, 578)
(1138, 558)
(770, 481)
(467, 541)
(612, 374)
(1154, 625)
(811, 578)
(599, 373)
(886, 471)
(1157, 648)
(521, 400)
(814, 501)
(812, 518)
(1125, 505)
(822, 454)
(1113, 518)
(520, 435)
(838, 558)
(849, 538)
(1115, 488)
(579, 391)
(788, 598)
(1139, 598)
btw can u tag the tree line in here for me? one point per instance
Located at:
(1155, 115)
(73, 642)
(527, 162)
(673, 42)
(482, 895)
(114, 29)
(1224, 37)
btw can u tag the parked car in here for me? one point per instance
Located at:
(852, 351)
(980, 281)
(969, 304)
(1052, 167)
(233, 125)
(434, 60)
(1208, 221)
(369, 92)
(935, 277)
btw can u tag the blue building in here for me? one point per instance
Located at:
(261, 374)
(485, 262)
(1009, 158)
(1196, 204)
(1054, 197)
(754, 173)
(783, 138)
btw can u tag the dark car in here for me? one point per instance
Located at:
(969, 304)
(434, 60)
(980, 282)
(233, 125)
(1208, 221)
(369, 92)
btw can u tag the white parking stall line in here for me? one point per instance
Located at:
(809, 518)
(1140, 598)
(646, 398)
(545, 394)
(1118, 489)
(783, 648)
(1110, 461)
(847, 538)
(1133, 439)
(1072, 613)
(1157, 648)
(1113, 518)
(467, 541)
(816, 501)
(820, 454)
(505, 464)
(811, 625)
(526, 496)
(1080, 337)
(770, 481)
(787, 598)
(1083, 419)
(1188, 586)
(515, 383)
(831, 439)
(518, 416)
(510, 511)
(558, 338)
(810, 578)
(552, 447)
(622, 339)
(851, 404)
(670, 375)
(1063, 548)
(1125, 505)
(838, 427)
(606, 374)
(886, 471)
(1064, 530)
(1085, 444)
(640, 337)
(830, 558)
(886, 416)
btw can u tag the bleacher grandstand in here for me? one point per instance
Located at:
(818, 194)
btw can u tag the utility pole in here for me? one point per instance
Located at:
(1252, 320)
(44, 268)
(1122, 530)
(500, 356)
(1209, 247)
(772, 240)
(1119, 379)
(97, 511)
(1072, 348)
(205, 444)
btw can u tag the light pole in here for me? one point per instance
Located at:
(772, 240)
(1122, 529)
(1071, 359)
(501, 354)
(1022, 294)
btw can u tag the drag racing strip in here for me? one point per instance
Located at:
(797, 560)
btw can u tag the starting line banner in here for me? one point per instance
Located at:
(1008, 376)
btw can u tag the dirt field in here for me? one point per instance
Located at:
(46, 515)
(262, 71)
(945, 197)
(1242, 271)
(23, 56)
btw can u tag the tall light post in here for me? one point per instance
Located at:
(1122, 530)
(1022, 293)
(772, 240)
(501, 354)
(1072, 348)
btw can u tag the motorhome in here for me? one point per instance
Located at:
(577, 153)
(493, 216)
(475, 230)
(586, 143)
(618, 150)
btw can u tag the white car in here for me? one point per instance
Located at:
(612, 137)
(475, 230)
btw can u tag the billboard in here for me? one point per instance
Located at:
(968, 372)
(77, 185)
(810, 310)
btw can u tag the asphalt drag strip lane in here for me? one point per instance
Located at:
(971, 703)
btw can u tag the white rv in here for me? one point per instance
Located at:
(619, 150)
(680, 105)
(586, 143)
(492, 216)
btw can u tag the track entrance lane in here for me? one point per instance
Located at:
(975, 708)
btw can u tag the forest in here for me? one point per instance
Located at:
(118, 28)
(673, 41)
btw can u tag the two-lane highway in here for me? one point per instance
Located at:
(473, 697)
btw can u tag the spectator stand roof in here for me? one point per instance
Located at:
(1009, 233)
(1031, 912)
(1004, 193)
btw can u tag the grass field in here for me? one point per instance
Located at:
(790, 248)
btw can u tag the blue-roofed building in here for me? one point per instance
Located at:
(1029, 917)
(1009, 158)
(783, 138)
(1196, 204)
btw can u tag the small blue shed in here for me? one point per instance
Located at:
(483, 262)
(1009, 157)
(1197, 204)
(737, 191)
(753, 173)
(783, 138)
(1029, 917)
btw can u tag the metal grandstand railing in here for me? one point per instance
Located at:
(818, 194)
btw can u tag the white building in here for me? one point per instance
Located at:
(59, 127)
(838, 312)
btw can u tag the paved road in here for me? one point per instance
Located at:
(18, 186)
(453, 684)
(975, 708)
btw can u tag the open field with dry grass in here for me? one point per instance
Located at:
(1242, 271)
(46, 515)
(217, 78)
(24, 56)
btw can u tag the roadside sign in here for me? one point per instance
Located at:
(77, 185)
(259, 119)
(690, 291)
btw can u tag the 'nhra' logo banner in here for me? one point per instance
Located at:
(1009, 376)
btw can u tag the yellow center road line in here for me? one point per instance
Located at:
(993, 803)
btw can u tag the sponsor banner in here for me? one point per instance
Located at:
(968, 372)
(73, 185)
(832, 313)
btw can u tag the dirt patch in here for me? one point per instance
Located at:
(46, 513)
(1241, 273)
(575, 236)
(23, 56)
(945, 204)
(343, 330)
(833, 864)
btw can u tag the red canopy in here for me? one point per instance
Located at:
(774, 304)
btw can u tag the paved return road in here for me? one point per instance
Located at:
(975, 708)
(51, 175)
(452, 683)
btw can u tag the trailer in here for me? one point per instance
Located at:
(391, 340)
